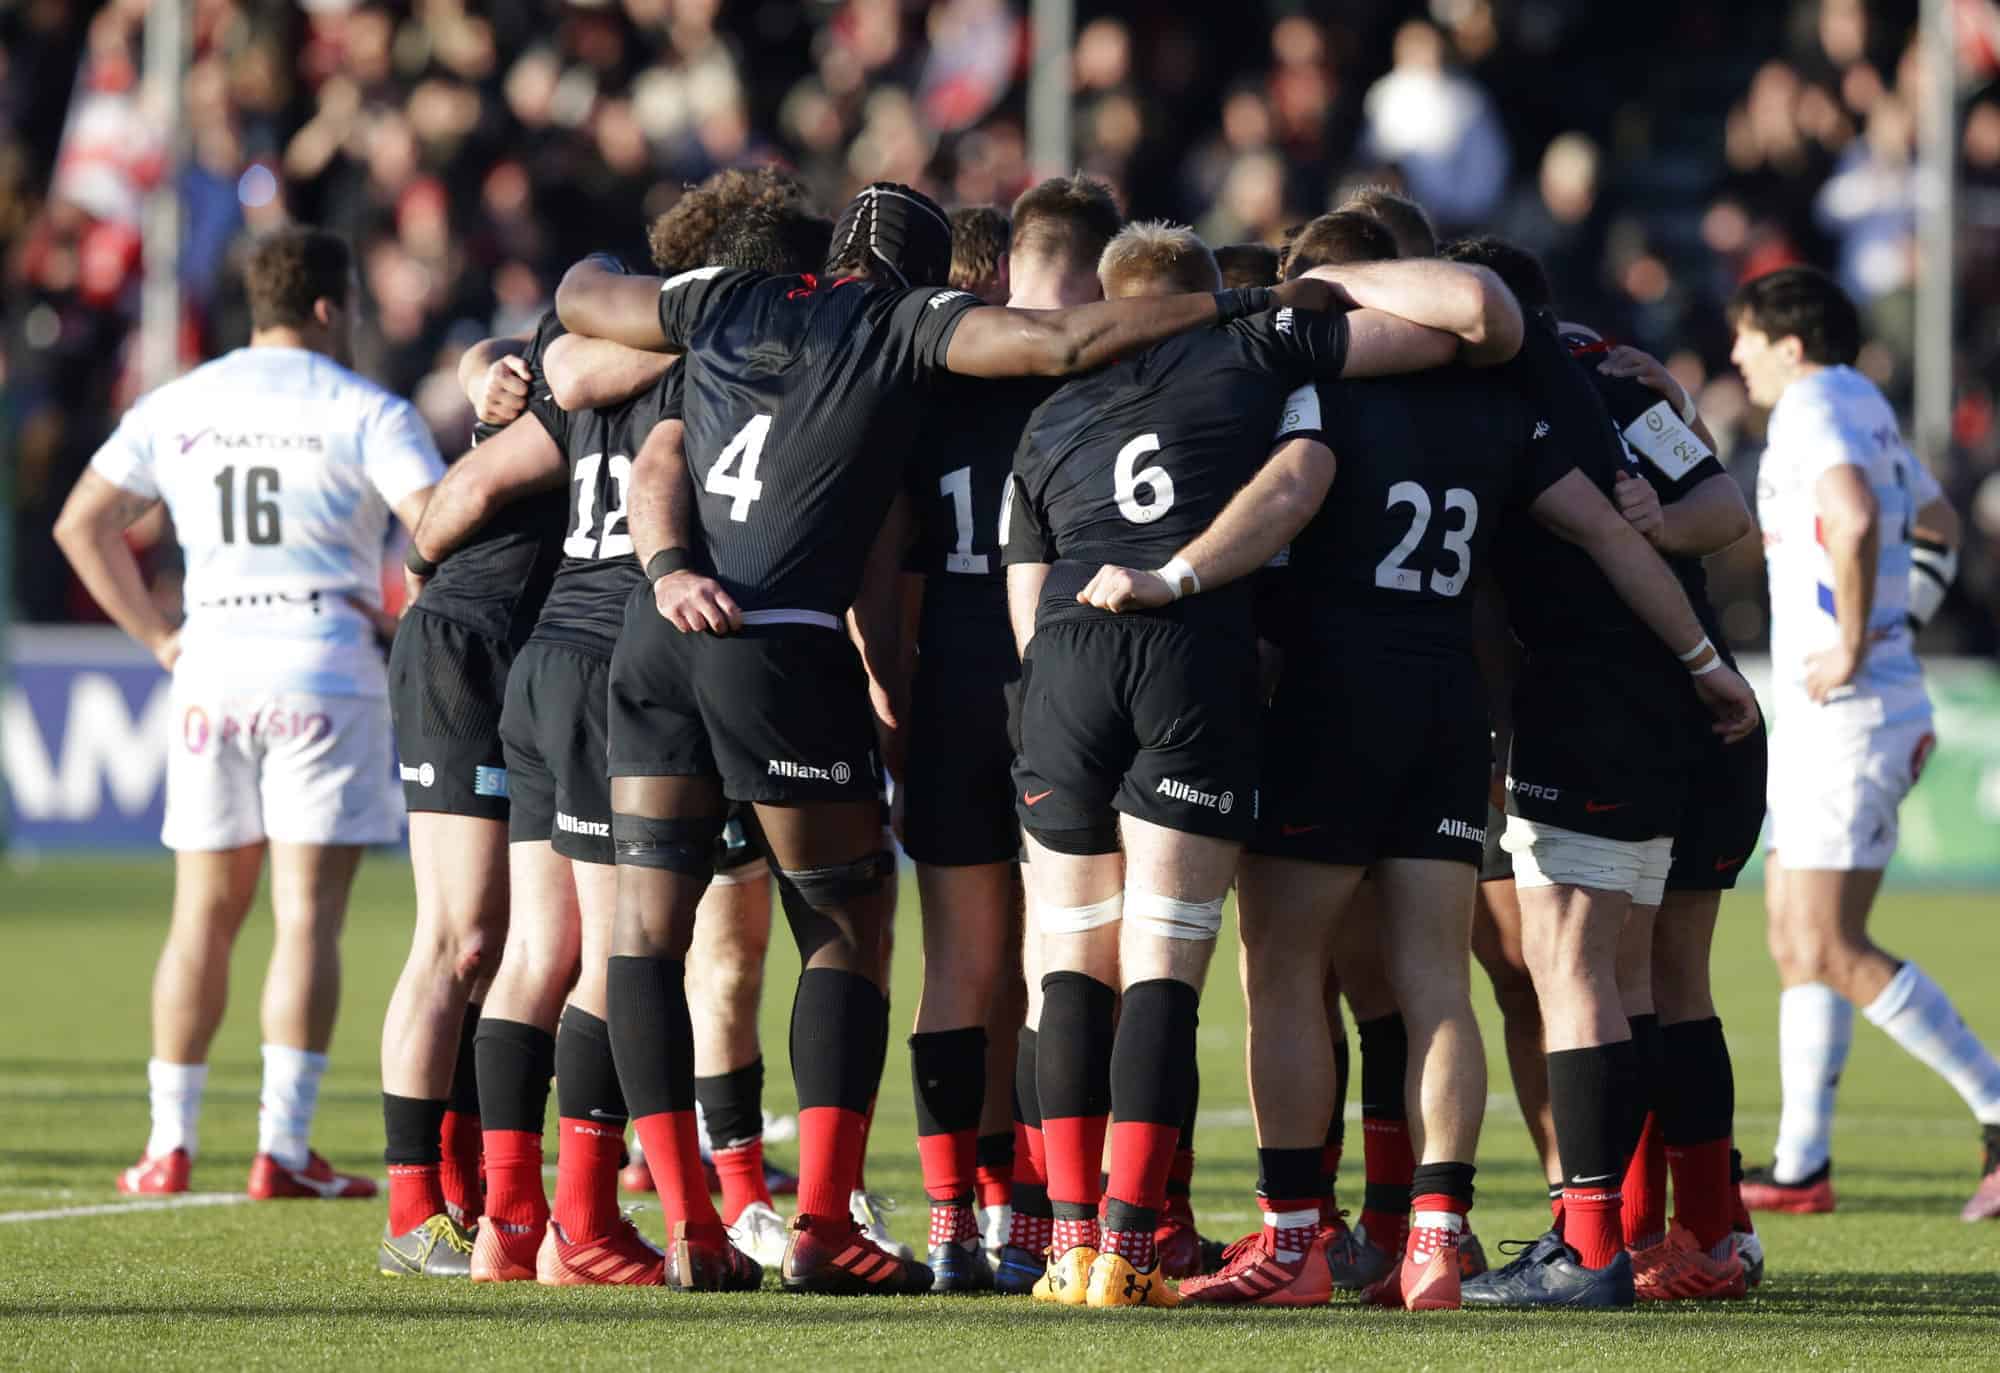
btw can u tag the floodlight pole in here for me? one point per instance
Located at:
(1053, 23)
(1937, 276)
(168, 52)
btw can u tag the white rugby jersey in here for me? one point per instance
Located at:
(280, 468)
(1837, 416)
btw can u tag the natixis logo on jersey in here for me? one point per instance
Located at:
(1220, 802)
(261, 440)
(840, 774)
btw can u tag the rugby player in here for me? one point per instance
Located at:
(795, 465)
(447, 681)
(280, 469)
(1140, 730)
(954, 792)
(1859, 541)
(1688, 508)
(1605, 728)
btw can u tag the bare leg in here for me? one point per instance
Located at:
(460, 867)
(1286, 912)
(309, 889)
(732, 935)
(1496, 942)
(212, 896)
(1427, 928)
(539, 963)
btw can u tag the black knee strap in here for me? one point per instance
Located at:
(686, 847)
(839, 883)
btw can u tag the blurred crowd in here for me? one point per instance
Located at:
(1655, 156)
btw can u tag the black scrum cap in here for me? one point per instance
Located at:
(896, 228)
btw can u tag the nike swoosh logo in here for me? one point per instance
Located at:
(1599, 807)
(1289, 830)
(1725, 864)
(1033, 797)
(1597, 1177)
(331, 1187)
(596, 1114)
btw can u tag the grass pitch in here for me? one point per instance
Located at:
(1892, 1279)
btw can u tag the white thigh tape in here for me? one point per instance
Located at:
(1551, 856)
(1655, 863)
(1078, 919)
(1162, 915)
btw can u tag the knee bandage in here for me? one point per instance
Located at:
(838, 883)
(1078, 919)
(686, 847)
(1171, 919)
(1551, 856)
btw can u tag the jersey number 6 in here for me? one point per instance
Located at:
(1125, 483)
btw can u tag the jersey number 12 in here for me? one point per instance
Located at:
(587, 540)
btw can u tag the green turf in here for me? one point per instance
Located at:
(1893, 1278)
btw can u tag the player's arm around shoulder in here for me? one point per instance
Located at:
(584, 373)
(1467, 302)
(519, 460)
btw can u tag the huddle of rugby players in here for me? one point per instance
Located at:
(1108, 572)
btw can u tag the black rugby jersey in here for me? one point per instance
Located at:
(586, 605)
(1429, 466)
(495, 583)
(1669, 455)
(1125, 466)
(958, 482)
(803, 398)
(1558, 600)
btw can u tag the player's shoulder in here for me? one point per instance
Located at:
(1835, 403)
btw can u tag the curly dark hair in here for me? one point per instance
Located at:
(680, 238)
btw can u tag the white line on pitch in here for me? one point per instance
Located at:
(178, 1203)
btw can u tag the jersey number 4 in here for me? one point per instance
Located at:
(590, 539)
(260, 504)
(1391, 575)
(741, 486)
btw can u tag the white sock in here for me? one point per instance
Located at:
(1815, 1031)
(291, 1096)
(175, 1090)
(1915, 1012)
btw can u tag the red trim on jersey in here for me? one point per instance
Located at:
(811, 285)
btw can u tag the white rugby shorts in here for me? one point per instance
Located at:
(1835, 785)
(293, 766)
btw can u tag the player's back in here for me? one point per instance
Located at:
(1836, 416)
(1426, 465)
(802, 402)
(278, 466)
(1127, 465)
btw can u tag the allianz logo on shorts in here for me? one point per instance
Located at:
(839, 774)
(596, 829)
(1194, 796)
(1459, 829)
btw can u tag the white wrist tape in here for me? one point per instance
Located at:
(1080, 919)
(1932, 568)
(1164, 916)
(1179, 577)
(1714, 664)
(1704, 646)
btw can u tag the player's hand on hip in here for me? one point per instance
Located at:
(695, 604)
(1730, 700)
(1829, 670)
(1124, 588)
(1639, 503)
(501, 392)
(167, 649)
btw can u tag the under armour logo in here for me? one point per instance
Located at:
(1136, 1287)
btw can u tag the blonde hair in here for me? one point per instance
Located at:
(1153, 256)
